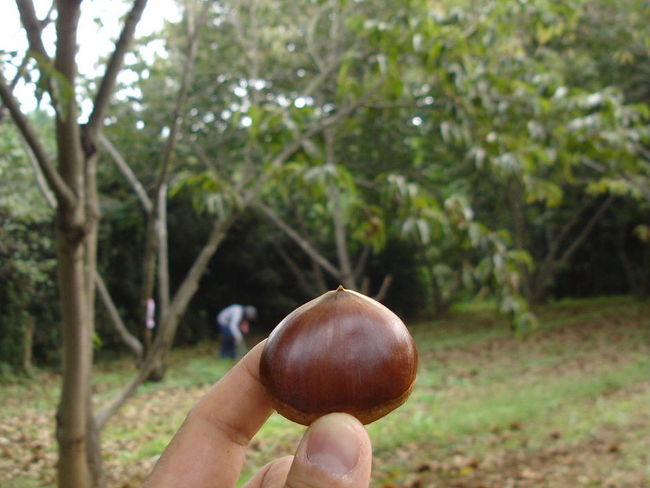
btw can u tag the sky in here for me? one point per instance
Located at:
(99, 26)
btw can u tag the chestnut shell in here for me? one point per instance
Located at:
(341, 352)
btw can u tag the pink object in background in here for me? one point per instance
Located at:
(151, 313)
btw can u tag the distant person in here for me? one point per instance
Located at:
(234, 322)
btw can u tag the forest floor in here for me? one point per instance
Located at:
(568, 406)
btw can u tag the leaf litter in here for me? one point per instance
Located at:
(519, 454)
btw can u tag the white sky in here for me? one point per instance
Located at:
(95, 40)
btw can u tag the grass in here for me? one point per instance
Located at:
(485, 404)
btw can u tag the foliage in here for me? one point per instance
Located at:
(487, 136)
(26, 260)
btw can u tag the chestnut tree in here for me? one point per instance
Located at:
(71, 176)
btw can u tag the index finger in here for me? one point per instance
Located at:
(210, 447)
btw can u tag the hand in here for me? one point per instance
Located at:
(210, 447)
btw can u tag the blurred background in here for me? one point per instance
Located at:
(482, 167)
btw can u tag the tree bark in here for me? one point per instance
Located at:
(72, 240)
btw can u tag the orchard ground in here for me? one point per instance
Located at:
(568, 406)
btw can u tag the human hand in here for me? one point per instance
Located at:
(210, 447)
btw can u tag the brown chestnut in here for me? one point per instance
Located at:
(341, 352)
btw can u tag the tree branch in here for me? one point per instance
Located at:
(113, 67)
(163, 249)
(546, 271)
(340, 230)
(33, 27)
(168, 321)
(383, 289)
(587, 229)
(127, 172)
(291, 148)
(304, 283)
(303, 243)
(41, 182)
(361, 261)
(58, 185)
(129, 339)
(182, 94)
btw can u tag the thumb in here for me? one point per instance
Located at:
(335, 452)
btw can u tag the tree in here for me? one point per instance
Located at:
(72, 180)
(505, 126)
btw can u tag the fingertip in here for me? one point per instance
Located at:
(335, 451)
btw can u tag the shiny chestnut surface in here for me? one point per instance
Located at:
(341, 352)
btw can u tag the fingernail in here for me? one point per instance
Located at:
(333, 444)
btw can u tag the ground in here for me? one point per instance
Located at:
(568, 406)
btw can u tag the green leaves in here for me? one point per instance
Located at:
(55, 83)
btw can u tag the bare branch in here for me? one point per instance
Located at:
(127, 172)
(587, 228)
(303, 243)
(340, 230)
(182, 95)
(289, 149)
(305, 285)
(19, 72)
(129, 339)
(383, 289)
(361, 261)
(33, 27)
(311, 46)
(207, 162)
(550, 264)
(41, 182)
(169, 320)
(58, 185)
(163, 249)
(318, 277)
(113, 67)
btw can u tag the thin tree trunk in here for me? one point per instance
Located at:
(304, 283)
(303, 243)
(156, 256)
(347, 275)
(515, 201)
(72, 414)
(163, 251)
(545, 273)
(28, 341)
(73, 182)
(129, 339)
(169, 321)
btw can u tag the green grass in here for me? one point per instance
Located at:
(582, 379)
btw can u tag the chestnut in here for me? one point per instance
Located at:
(341, 352)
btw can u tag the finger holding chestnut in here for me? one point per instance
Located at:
(341, 352)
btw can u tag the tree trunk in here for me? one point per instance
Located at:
(73, 413)
(73, 183)
(28, 341)
(546, 270)
(515, 200)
